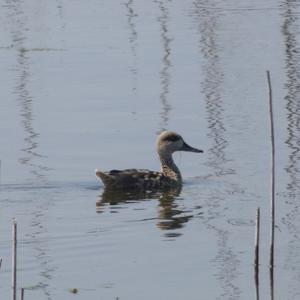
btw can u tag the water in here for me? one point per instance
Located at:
(88, 85)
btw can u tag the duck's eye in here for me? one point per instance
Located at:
(171, 138)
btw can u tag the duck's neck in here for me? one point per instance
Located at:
(168, 167)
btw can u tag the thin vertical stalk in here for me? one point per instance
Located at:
(256, 279)
(257, 239)
(271, 273)
(272, 234)
(14, 260)
(256, 252)
(22, 294)
(0, 262)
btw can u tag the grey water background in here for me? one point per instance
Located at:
(89, 84)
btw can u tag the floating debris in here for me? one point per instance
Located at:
(73, 290)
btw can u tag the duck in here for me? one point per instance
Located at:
(169, 175)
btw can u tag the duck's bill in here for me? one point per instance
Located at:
(188, 148)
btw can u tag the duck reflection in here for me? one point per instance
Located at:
(169, 217)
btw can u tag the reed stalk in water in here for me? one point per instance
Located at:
(22, 294)
(14, 260)
(272, 233)
(257, 239)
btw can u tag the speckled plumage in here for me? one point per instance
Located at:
(169, 176)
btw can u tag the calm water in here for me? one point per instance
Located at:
(89, 84)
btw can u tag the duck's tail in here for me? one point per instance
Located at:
(106, 179)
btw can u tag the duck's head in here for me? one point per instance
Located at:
(169, 142)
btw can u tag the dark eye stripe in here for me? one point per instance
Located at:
(171, 138)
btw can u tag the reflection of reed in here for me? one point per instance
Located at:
(22, 91)
(256, 280)
(208, 19)
(25, 100)
(170, 215)
(227, 263)
(292, 97)
(131, 15)
(226, 260)
(17, 21)
(60, 8)
(290, 31)
(271, 274)
(41, 250)
(166, 64)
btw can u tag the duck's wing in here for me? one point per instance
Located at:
(130, 178)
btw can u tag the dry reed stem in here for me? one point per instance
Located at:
(272, 204)
(14, 260)
(22, 294)
(257, 239)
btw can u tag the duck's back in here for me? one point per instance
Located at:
(133, 179)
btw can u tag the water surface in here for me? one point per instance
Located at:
(89, 85)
